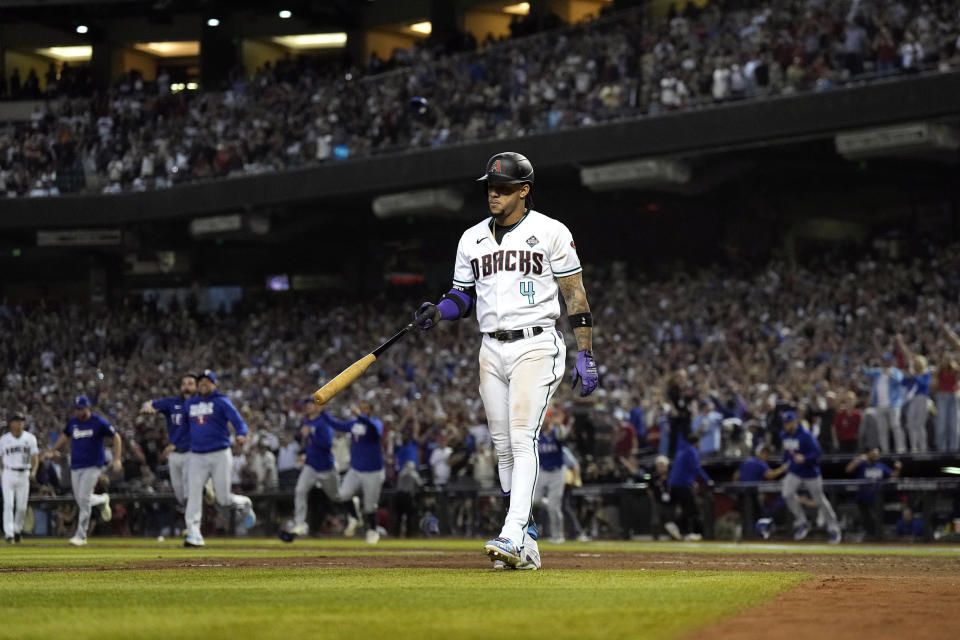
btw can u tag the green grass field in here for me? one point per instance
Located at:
(336, 602)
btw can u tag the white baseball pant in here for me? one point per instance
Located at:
(329, 481)
(517, 380)
(16, 493)
(84, 481)
(217, 465)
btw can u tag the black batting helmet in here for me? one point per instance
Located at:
(508, 167)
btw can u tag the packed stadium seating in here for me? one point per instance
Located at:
(300, 113)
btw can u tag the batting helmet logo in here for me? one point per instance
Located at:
(496, 166)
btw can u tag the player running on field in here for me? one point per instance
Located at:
(20, 457)
(511, 266)
(178, 433)
(210, 455)
(318, 467)
(801, 452)
(366, 473)
(86, 432)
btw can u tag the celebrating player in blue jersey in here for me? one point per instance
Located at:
(318, 467)
(801, 452)
(178, 433)
(210, 456)
(86, 432)
(366, 472)
(756, 469)
(684, 473)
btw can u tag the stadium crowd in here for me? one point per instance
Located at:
(302, 112)
(713, 352)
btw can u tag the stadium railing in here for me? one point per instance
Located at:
(624, 508)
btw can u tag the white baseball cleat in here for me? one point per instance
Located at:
(106, 513)
(351, 527)
(77, 541)
(673, 530)
(249, 518)
(583, 537)
(693, 537)
(299, 530)
(503, 549)
(209, 496)
(372, 536)
(530, 553)
(558, 540)
(193, 541)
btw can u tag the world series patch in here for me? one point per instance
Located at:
(532, 240)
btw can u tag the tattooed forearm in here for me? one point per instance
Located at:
(576, 298)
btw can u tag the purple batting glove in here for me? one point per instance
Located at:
(586, 371)
(424, 319)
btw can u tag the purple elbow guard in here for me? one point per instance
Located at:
(448, 309)
(454, 305)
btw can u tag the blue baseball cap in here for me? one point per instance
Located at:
(788, 416)
(81, 402)
(209, 375)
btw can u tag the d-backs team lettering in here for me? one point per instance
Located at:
(511, 260)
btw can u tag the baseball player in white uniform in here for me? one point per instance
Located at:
(511, 266)
(20, 456)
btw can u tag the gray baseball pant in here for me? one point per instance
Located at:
(84, 480)
(179, 473)
(329, 481)
(793, 483)
(550, 485)
(217, 465)
(369, 482)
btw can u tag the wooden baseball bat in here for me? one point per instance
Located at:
(345, 378)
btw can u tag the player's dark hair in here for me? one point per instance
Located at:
(190, 375)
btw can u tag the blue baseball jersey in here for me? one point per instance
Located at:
(752, 470)
(873, 473)
(318, 444)
(178, 424)
(550, 448)
(365, 434)
(686, 467)
(209, 416)
(86, 441)
(802, 442)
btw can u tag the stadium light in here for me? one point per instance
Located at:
(954, 471)
(191, 86)
(313, 40)
(285, 14)
(213, 22)
(422, 27)
(82, 28)
(519, 9)
(81, 52)
(173, 49)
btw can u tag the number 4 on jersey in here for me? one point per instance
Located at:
(526, 289)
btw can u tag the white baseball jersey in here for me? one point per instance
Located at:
(16, 452)
(516, 280)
